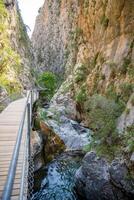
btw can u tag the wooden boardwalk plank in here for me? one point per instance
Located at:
(10, 120)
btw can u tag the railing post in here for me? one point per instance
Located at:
(31, 102)
(28, 127)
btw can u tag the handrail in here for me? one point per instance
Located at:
(12, 169)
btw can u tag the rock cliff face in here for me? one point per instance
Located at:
(51, 35)
(91, 43)
(20, 42)
(16, 59)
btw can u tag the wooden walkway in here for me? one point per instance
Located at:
(10, 120)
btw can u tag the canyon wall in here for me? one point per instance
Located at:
(16, 57)
(89, 43)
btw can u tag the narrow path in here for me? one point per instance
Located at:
(10, 120)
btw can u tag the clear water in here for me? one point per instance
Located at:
(58, 183)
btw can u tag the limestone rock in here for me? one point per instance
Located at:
(92, 179)
(126, 119)
(132, 158)
(37, 148)
(96, 179)
(52, 142)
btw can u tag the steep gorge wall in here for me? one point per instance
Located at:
(91, 43)
(90, 40)
(16, 59)
(51, 35)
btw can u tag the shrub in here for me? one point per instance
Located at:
(132, 101)
(125, 65)
(47, 81)
(81, 95)
(86, 3)
(126, 89)
(102, 115)
(111, 93)
(103, 77)
(127, 111)
(81, 73)
(128, 140)
(104, 21)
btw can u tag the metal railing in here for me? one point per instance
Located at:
(27, 115)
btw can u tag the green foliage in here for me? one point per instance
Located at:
(81, 95)
(78, 32)
(125, 65)
(127, 111)
(42, 114)
(128, 139)
(132, 101)
(102, 115)
(66, 54)
(10, 61)
(11, 85)
(104, 21)
(80, 73)
(103, 77)
(74, 35)
(126, 89)
(94, 60)
(111, 93)
(3, 12)
(86, 3)
(47, 81)
(22, 32)
(8, 57)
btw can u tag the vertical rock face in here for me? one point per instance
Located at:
(20, 42)
(92, 43)
(99, 26)
(51, 35)
(16, 54)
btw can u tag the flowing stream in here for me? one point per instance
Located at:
(57, 178)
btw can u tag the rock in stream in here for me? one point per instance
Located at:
(96, 179)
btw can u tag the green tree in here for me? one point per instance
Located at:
(47, 82)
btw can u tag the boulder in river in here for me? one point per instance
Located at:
(53, 144)
(97, 180)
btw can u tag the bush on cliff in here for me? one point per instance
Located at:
(102, 115)
(47, 82)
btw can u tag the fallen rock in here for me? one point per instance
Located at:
(53, 144)
(96, 180)
(92, 179)
(122, 180)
